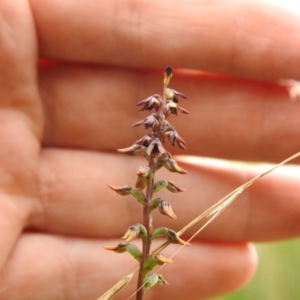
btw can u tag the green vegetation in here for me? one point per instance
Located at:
(277, 276)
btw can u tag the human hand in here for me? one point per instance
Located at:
(61, 124)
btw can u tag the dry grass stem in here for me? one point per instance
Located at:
(117, 287)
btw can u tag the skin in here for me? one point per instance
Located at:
(61, 122)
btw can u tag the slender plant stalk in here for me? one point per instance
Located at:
(147, 241)
(151, 147)
(149, 195)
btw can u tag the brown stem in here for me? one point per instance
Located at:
(146, 215)
(147, 241)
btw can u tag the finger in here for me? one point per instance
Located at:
(12, 220)
(18, 58)
(82, 269)
(230, 118)
(76, 199)
(55, 267)
(20, 114)
(244, 38)
(265, 211)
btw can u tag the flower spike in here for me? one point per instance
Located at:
(151, 147)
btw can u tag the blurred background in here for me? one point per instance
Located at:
(278, 273)
(277, 276)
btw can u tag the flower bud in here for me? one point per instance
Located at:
(173, 95)
(168, 74)
(169, 71)
(160, 185)
(132, 232)
(132, 249)
(123, 191)
(173, 238)
(144, 174)
(133, 150)
(141, 183)
(172, 166)
(165, 208)
(172, 187)
(170, 234)
(170, 108)
(153, 279)
(120, 248)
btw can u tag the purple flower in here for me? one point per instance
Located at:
(151, 102)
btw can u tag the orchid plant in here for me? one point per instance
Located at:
(151, 148)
